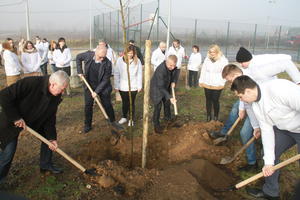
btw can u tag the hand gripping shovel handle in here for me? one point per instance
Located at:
(259, 175)
(175, 104)
(97, 100)
(58, 150)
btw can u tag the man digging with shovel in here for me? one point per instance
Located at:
(277, 108)
(96, 74)
(32, 101)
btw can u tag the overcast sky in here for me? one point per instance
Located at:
(74, 15)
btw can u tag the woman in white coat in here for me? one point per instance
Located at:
(31, 60)
(211, 80)
(121, 81)
(62, 56)
(194, 66)
(11, 64)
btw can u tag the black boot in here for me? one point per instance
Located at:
(208, 118)
(216, 118)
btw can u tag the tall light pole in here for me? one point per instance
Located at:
(268, 22)
(27, 20)
(90, 11)
(169, 24)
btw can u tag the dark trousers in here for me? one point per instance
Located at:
(156, 112)
(212, 100)
(6, 158)
(193, 78)
(283, 141)
(44, 68)
(65, 69)
(45, 156)
(126, 103)
(88, 108)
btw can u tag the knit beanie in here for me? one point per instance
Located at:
(243, 55)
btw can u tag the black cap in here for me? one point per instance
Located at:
(243, 55)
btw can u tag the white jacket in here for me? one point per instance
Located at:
(278, 106)
(195, 62)
(62, 59)
(43, 51)
(50, 57)
(179, 53)
(31, 62)
(121, 78)
(11, 63)
(157, 58)
(211, 72)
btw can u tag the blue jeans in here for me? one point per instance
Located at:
(6, 158)
(246, 132)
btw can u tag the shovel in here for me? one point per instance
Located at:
(116, 128)
(91, 171)
(222, 139)
(259, 175)
(228, 159)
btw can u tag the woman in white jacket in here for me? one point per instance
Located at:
(11, 64)
(211, 80)
(62, 56)
(31, 60)
(121, 81)
(194, 66)
(52, 47)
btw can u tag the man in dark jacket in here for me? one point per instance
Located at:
(138, 51)
(161, 82)
(97, 71)
(32, 101)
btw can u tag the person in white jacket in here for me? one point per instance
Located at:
(42, 47)
(158, 55)
(31, 60)
(11, 64)
(211, 80)
(194, 64)
(52, 47)
(121, 81)
(277, 107)
(62, 56)
(177, 50)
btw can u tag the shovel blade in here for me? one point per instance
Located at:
(219, 140)
(226, 160)
(91, 172)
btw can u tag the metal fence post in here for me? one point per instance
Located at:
(110, 27)
(141, 25)
(103, 27)
(157, 17)
(227, 38)
(279, 38)
(254, 38)
(195, 32)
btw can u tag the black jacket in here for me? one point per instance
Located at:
(161, 82)
(29, 99)
(104, 86)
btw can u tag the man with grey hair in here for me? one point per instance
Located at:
(31, 101)
(110, 52)
(97, 71)
(159, 55)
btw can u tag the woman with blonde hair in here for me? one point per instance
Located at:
(11, 64)
(211, 80)
(52, 47)
(121, 80)
(31, 60)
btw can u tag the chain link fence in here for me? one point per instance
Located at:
(258, 38)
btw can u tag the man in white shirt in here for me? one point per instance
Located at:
(158, 55)
(277, 108)
(42, 47)
(177, 50)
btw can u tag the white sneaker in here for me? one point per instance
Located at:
(130, 123)
(122, 120)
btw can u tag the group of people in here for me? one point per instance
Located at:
(32, 59)
(270, 106)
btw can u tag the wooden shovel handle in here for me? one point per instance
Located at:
(175, 104)
(97, 99)
(244, 147)
(58, 150)
(276, 167)
(233, 126)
